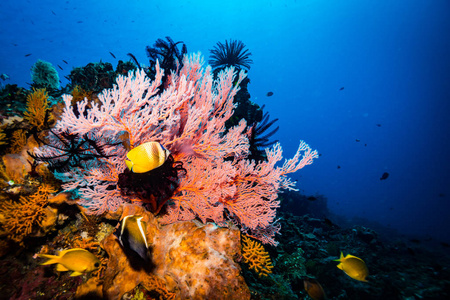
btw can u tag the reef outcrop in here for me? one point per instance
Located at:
(190, 260)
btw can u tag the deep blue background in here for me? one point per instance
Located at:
(391, 57)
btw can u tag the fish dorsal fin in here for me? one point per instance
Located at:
(122, 226)
(353, 257)
(61, 254)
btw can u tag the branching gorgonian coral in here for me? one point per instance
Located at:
(188, 119)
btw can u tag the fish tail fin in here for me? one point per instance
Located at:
(341, 257)
(52, 259)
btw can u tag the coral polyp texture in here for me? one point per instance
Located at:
(188, 118)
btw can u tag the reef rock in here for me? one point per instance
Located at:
(16, 166)
(190, 260)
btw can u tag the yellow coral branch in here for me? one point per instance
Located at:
(2, 137)
(37, 107)
(256, 256)
(18, 141)
(18, 218)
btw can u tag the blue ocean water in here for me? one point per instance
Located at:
(390, 57)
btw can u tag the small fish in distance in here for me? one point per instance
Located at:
(311, 198)
(384, 176)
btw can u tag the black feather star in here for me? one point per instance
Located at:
(72, 150)
(167, 53)
(232, 53)
(259, 139)
(154, 187)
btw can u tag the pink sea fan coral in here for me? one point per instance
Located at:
(187, 118)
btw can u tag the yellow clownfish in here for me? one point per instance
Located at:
(353, 266)
(146, 157)
(77, 260)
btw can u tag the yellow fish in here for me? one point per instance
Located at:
(146, 157)
(353, 266)
(77, 260)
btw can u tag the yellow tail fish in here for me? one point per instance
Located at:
(77, 260)
(353, 266)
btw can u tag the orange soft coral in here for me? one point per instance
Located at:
(19, 218)
(18, 141)
(37, 108)
(256, 257)
(2, 137)
(78, 94)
